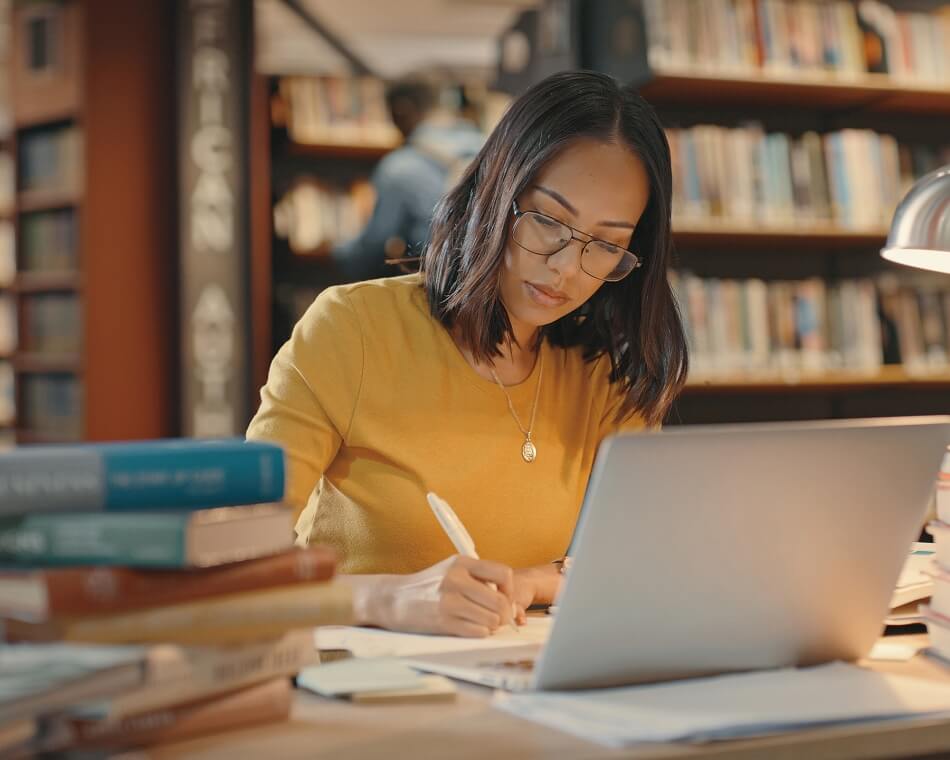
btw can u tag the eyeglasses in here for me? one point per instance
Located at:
(545, 236)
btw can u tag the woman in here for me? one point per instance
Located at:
(541, 322)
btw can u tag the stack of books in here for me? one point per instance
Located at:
(937, 613)
(151, 592)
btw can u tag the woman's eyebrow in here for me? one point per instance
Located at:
(570, 207)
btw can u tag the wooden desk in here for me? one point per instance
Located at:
(471, 728)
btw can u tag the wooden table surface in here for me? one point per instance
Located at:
(470, 728)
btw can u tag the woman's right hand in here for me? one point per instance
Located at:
(450, 598)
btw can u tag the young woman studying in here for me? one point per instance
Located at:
(541, 322)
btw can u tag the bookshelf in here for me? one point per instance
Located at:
(783, 87)
(327, 133)
(878, 93)
(93, 281)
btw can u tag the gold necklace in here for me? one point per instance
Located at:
(529, 451)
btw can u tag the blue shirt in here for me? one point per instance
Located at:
(409, 183)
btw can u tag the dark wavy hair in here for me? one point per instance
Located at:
(634, 321)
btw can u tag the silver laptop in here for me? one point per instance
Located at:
(711, 549)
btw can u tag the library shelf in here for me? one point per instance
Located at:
(26, 436)
(827, 236)
(46, 200)
(343, 151)
(874, 92)
(824, 382)
(35, 362)
(47, 282)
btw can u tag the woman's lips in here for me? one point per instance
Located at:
(544, 296)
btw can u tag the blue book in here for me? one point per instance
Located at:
(168, 474)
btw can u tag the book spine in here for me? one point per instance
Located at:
(140, 477)
(191, 674)
(144, 540)
(236, 618)
(73, 592)
(266, 702)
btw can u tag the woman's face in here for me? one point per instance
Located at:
(600, 190)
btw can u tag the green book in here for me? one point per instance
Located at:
(201, 538)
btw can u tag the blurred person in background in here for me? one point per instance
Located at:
(410, 181)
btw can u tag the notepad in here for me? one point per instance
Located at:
(373, 681)
(732, 706)
(373, 642)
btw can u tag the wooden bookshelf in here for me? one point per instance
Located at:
(105, 78)
(825, 236)
(874, 92)
(47, 282)
(26, 436)
(343, 151)
(33, 363)
(42, 200)
(831, 382)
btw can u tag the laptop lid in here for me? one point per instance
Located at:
(722, 548)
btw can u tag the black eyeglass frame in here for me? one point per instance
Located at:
(519, 213)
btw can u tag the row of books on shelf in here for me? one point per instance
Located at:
(312, 216)
(51, 405)
(8, 324)
(852, 178)
(7, 394)
(841, 38)
(7, 253)
(52, 323)
(812, 326)
(337, 110)
(7, 183)
(48, 241)
(50, 160)
(150, 592)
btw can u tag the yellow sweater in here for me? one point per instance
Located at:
(375, 405)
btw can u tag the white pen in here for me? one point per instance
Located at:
(459, 537)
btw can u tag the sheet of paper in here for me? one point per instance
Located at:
(373, 642)
(893, 651)
(732, 706)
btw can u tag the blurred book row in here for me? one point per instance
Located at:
(50, 160)
(51, 405)
(150, 592)
(852, 178)
(789, 37)
(335, 110)
(312, 215)
(811, 326)
(48, 241)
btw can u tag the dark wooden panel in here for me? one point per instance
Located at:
(128, 235)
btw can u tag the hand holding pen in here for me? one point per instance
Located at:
(463, 543)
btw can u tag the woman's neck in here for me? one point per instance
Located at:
(515, 363)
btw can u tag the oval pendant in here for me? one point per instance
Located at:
(528, 452)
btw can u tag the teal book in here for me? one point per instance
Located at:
(202, 538)
(114, 477)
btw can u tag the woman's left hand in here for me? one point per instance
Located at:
(535, 585)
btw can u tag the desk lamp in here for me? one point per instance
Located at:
(920, 231)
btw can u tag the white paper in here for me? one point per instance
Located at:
(373, 642)
(893, 651)
(732, 706)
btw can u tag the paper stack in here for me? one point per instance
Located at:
(732, 706)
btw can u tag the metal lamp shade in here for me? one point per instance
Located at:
(920, 232)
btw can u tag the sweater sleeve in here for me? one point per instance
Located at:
(312, 391)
